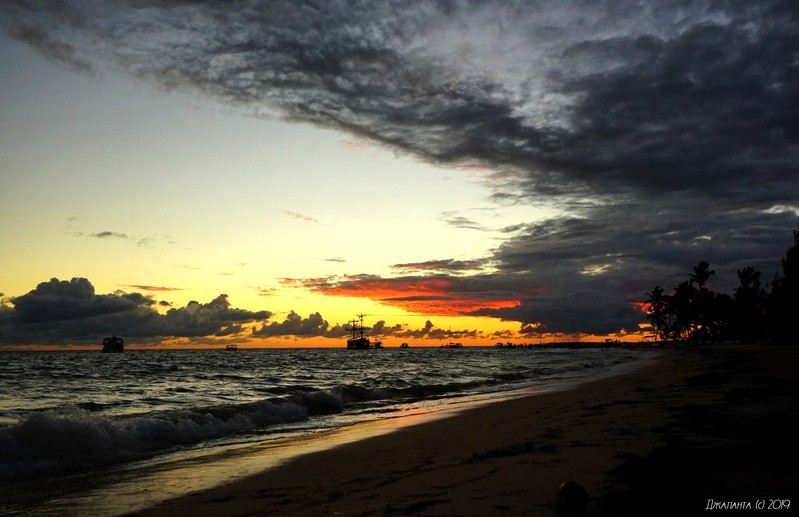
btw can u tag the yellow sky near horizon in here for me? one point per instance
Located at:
(128, 186)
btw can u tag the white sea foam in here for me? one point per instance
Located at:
(78, 411)
(74, 438)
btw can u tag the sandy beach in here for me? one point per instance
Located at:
(695, 430)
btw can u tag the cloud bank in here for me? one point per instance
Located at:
(665, 132)
(61, 311)
(71, 312)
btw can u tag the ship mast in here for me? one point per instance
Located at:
(357, 328)
(358, 339)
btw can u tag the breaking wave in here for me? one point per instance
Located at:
(75, 438)
(76, 412)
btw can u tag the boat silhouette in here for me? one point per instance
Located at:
(451, 344)
(113, 344)
(358, 339)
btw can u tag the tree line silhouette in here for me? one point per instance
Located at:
(754, 313)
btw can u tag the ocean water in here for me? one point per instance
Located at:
(72, 423)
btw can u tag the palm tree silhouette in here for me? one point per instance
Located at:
(749, 298)
(683, 307)
(703, 306)
(658, 311)
(701, 274)
(783, 302)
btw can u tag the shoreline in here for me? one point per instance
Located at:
(124, 487)
(509, 457)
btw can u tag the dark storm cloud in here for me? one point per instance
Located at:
(56, 301)
(590, 279)
(61, 311)
(55, 50)
(666, 132)
(295, 325)
(315, 325)
(428, 332)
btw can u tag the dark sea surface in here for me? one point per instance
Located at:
(80, 431)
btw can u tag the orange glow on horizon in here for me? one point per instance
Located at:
(434, 296)
(433, 341)
(381, 289)
(449, 307)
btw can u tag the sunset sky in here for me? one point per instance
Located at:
(195, 173)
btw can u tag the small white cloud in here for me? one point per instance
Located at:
(782, 209)
(595, 269)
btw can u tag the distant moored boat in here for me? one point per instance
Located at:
(113, 344)
(451, 344)
(232, 347)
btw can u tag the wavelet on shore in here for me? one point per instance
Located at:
(695, 426)
(84, 432)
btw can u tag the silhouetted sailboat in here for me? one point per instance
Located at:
(451, 344)
(358, 339)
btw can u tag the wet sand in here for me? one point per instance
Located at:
(693, 427)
